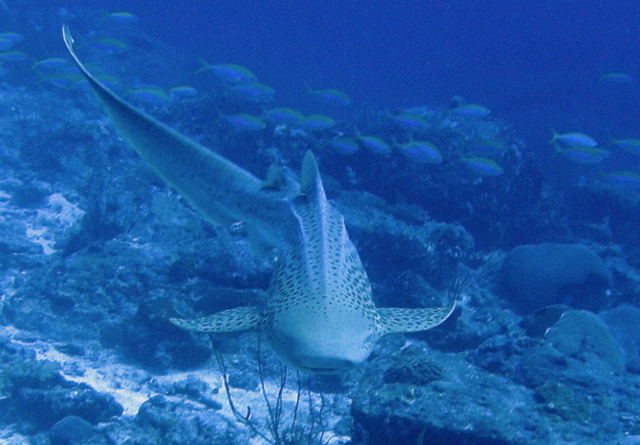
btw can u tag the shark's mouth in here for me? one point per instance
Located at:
(321, 370)
(329, 367)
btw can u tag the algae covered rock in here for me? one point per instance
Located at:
(564, 401)
(413, 366)
(469, 405)
(537, 275)
(179, 423)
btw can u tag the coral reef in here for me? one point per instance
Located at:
(96, 254)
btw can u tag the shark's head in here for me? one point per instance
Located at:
(324, 341)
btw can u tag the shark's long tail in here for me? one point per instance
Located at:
(219, 189)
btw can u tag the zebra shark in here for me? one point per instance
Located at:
(320, 316)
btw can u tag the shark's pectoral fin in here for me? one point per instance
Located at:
(397, 320)
(243, 318)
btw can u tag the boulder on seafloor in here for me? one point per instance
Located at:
(74, 430)
(47, 405)
(624, 322)
(537, 275)
(581, 334)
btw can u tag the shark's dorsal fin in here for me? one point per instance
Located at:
(398, 320)
(309, 175)
(238, 319)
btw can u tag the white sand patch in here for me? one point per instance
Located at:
(10, 437)
(132, 386)
(121, 381)
(41, 236)
(4, 200)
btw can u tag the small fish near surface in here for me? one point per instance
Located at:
(251, 92)
(283, 116)
(230, 73)
(409, 122)
(320, 316)
(63, 80)
(344, 146)
(51, 63)
(470, 110)
(149, 94)
(573, 139)
(623, 179)
(374, 144)
(9, 39)
(315, 122)
(616, 78)
(108, 44)
(629, 145)
(330, 96)
(422, 152)
(584, 155)
(13, 56)
(5, 44)
(122, 17)
(244, 122)
(13, 37)
(483, 167)
(183, 91)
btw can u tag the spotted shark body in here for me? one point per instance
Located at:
(320, 315)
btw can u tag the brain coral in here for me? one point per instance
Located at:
(624, 322)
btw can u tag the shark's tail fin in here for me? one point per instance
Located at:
(220, 190)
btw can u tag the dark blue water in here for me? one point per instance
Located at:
(534, 64)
